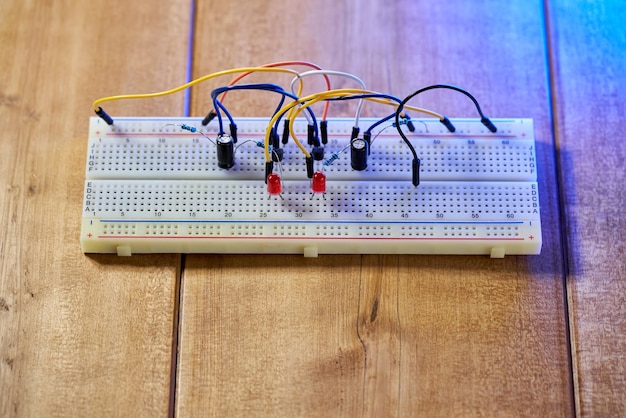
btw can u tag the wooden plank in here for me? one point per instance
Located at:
(79, 335)
(245, 348)
(589, 41)
(478, 338)
(439, 335)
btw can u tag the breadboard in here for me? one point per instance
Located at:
(153, 187)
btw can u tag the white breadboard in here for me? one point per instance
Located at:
(152, 187)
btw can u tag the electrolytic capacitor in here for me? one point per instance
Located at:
(225, 152)
(358, 154)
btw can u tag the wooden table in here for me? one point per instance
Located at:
(196, 335)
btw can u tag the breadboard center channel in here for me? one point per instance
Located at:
(152, 187)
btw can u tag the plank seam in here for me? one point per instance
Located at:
(399, 337)
(178, 294)
(562, 218)
(360, 337)
(178, 302)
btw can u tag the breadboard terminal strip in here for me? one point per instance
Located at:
(190, 185)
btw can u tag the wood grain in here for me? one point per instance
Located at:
(391, 335)
(245, 349)
(589, 41)
(79, 335)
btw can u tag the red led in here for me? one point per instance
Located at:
(319, 182)
(274, 186)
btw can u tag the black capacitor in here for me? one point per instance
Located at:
(225, 152)
(358, 154)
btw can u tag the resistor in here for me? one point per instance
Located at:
(402, 122)
(188, 128)
(332, 158)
